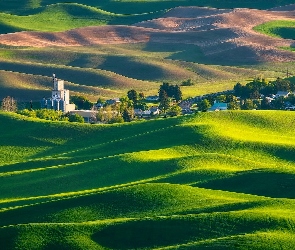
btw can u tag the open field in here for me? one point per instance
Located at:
(222, 180)
(105, 49)
(110, 71)
(282, 29)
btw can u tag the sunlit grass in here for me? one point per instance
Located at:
(188, 176)
(279, 28)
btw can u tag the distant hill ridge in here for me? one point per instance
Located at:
(217, 32)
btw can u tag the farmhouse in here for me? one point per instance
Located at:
(60, 97)
(218, 106)
(88, 115)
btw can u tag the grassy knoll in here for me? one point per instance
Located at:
(135, 6)
(61, 17)
(279, 28)
(220, 180)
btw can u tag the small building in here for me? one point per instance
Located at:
(60, 97)
(154, 111)
(113, 101)
(282, 94)
(218, 106)
(138, 112)
(88, 115)
(152, 98)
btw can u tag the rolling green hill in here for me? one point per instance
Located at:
(110, 70)
(280, 28)
(221, 180)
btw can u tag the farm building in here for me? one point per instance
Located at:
(60, 97)
(218, 106)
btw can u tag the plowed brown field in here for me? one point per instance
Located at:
(218, 32)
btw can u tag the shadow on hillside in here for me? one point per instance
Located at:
(24, 95)
(78, 76)
(114, 140)
(256, 182)
(134, 69)
(150, 233)
(226, 54)
(287, 154)
(225, 208)
(4, 29)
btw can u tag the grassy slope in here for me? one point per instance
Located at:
(217, 180)
(110, 71)
(279, 28)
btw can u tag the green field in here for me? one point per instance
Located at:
(55, 15)
(109, 71)
(221, 180)
(279, 28)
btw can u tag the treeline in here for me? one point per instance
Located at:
(257, 94)
(258, 87)
(109, 111)
(51, 114)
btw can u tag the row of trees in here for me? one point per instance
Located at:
(52, 115)
(9, 104)
(258, 87)
(167, 93)
(256, 94)
(123, 111)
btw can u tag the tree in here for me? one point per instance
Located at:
(265, 103)
(105, 114)
(133, 95)
(278, 103)
(76, 118)
(166, 87)
(93, 118)
(164, 100)
(125, 103)
(204, 105)
(248, 105)
(221, 98)
(116, 119)
(141, 95)
(81, 102)
(177, 94)
(175, 110)
(100, 100)
(238, 89)
(282, 84)
(233, 103)
(128, 115)
(172, 91)
(187, 82)
(51, 114)
(9, 104)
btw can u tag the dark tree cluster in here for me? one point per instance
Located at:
(172, 91)
(258, 87)
(81, 102)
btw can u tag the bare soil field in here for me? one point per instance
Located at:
(221, 34)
